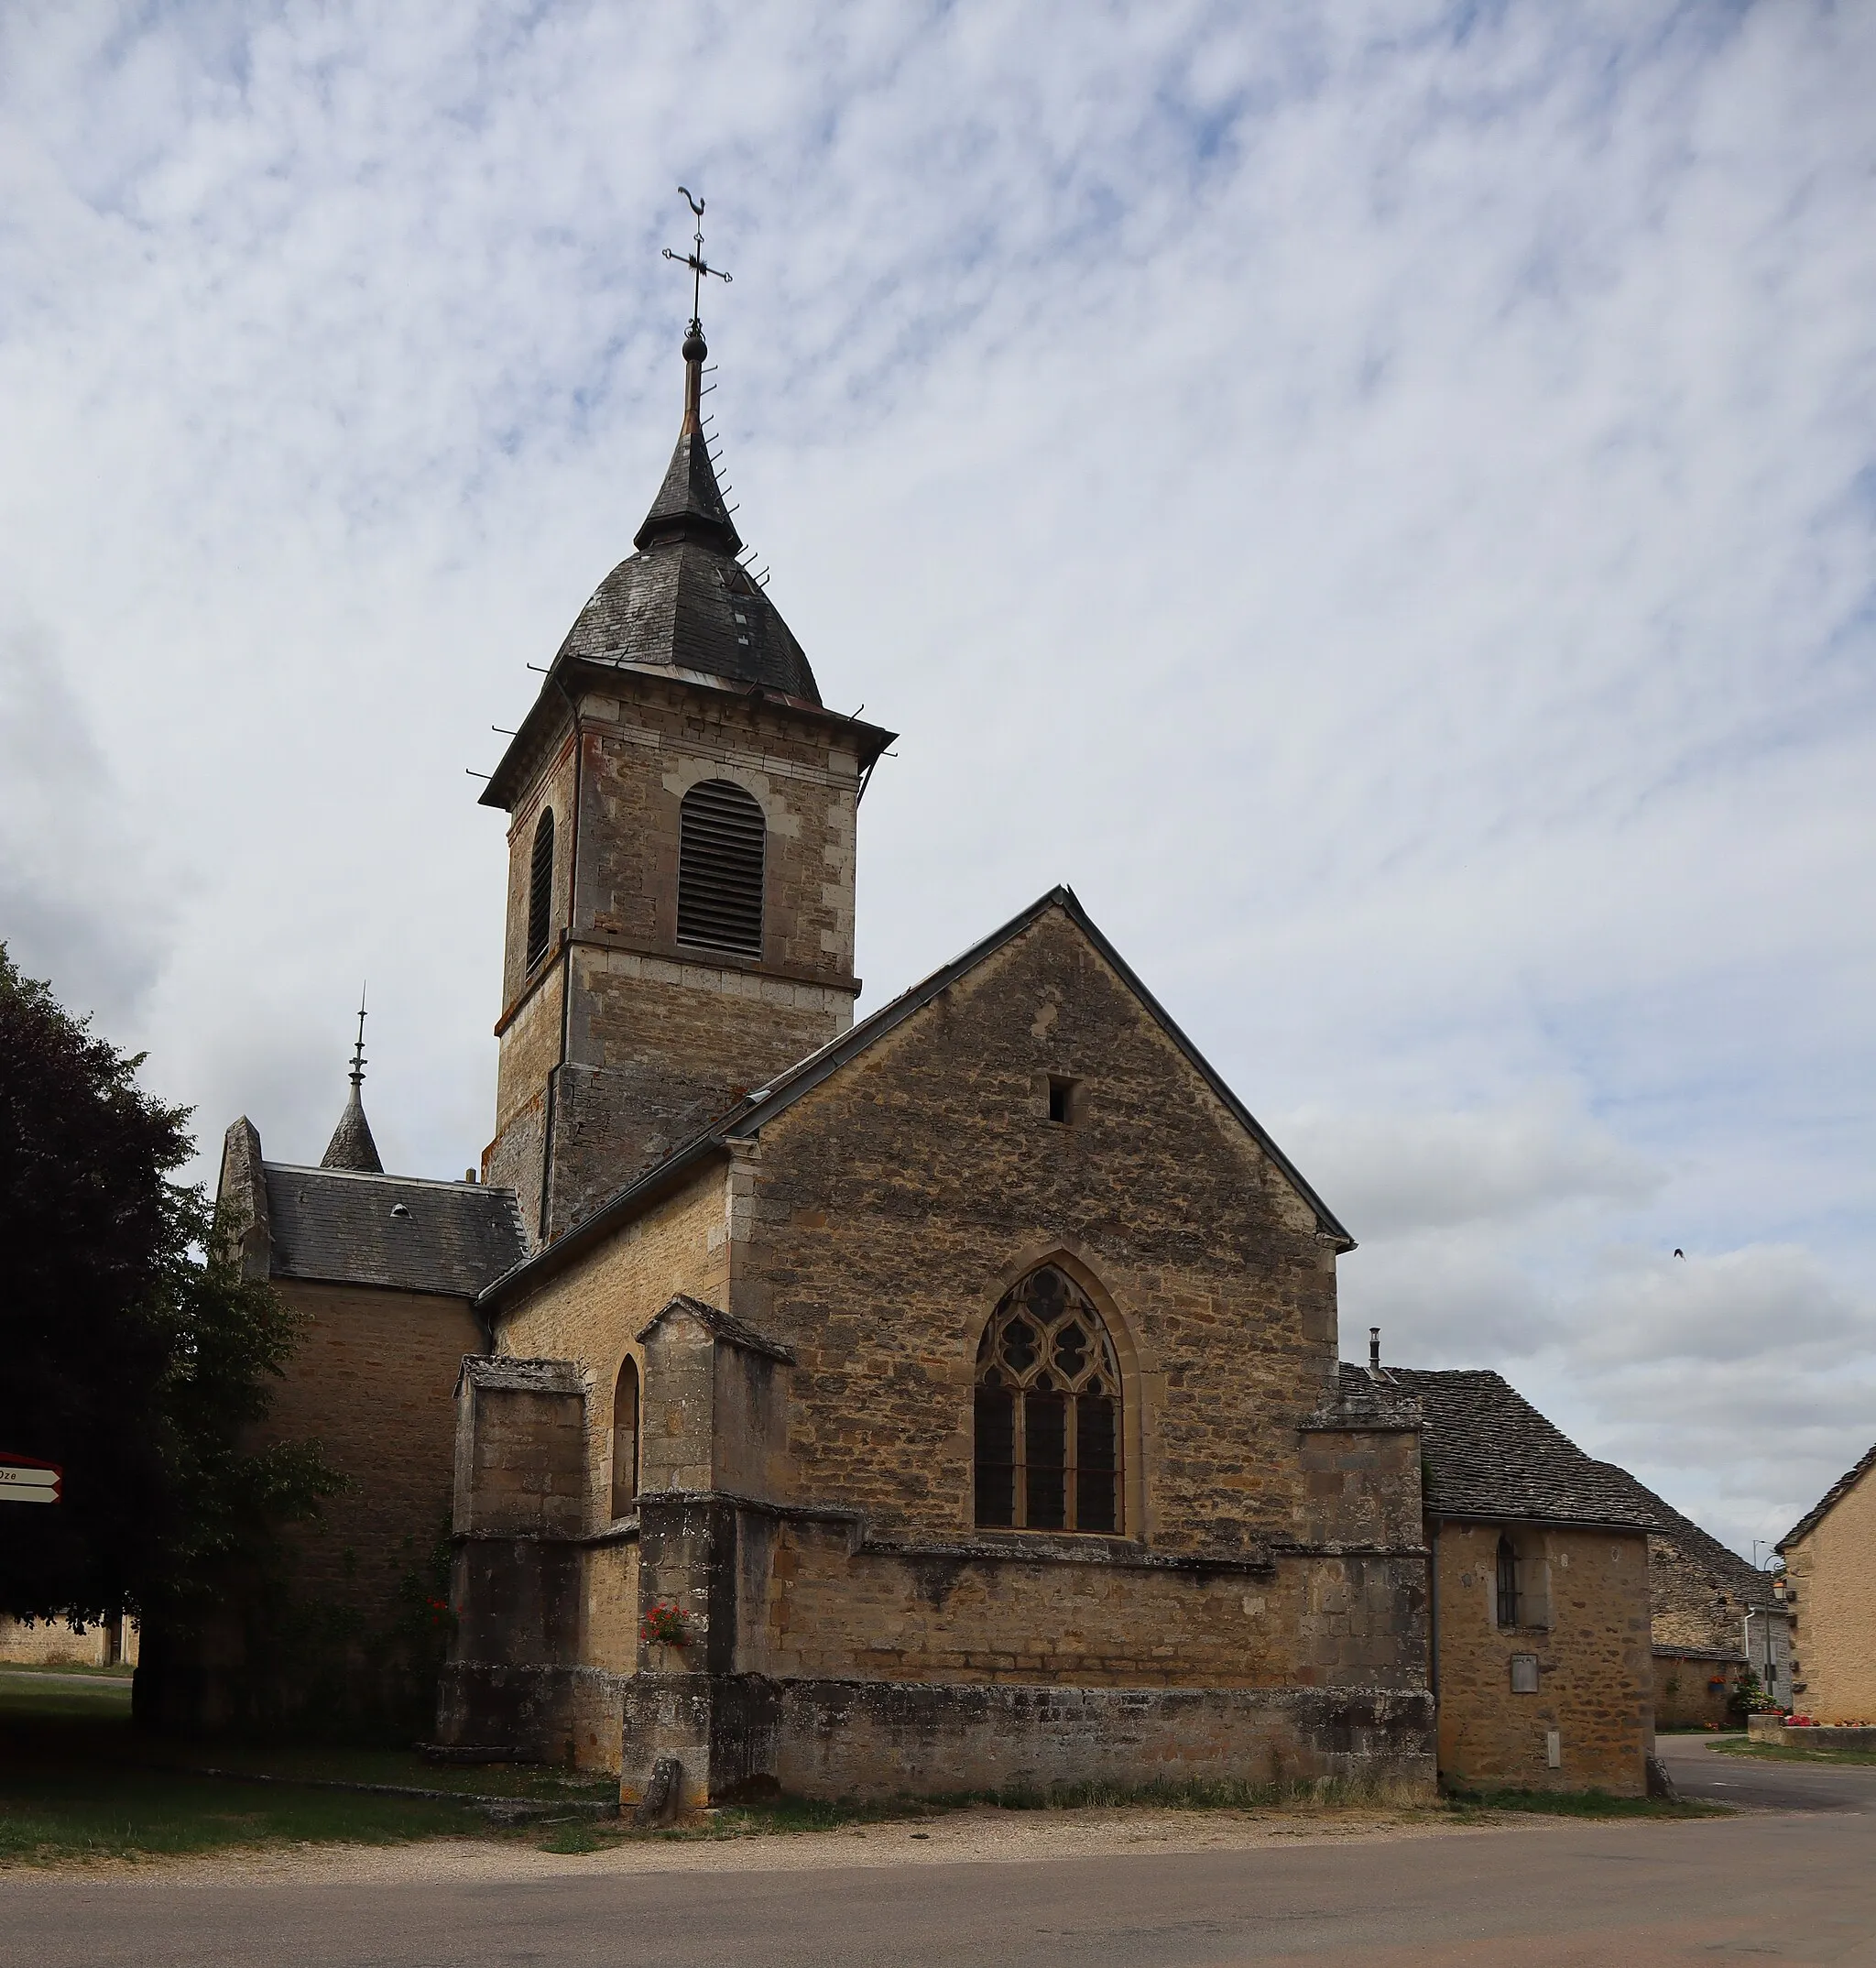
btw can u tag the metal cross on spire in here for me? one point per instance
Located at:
(695, 261)
(358, 1050)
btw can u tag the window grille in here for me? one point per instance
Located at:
(624, 1440)
(721, 839)
(1508, 1582)
(540, 888)
(1048, 1412)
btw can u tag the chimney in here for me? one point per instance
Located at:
(1374, 1350)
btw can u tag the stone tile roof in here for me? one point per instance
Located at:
(523, 1376)
(1489, 1453)
(1828, 1501)
(723, 1325)
(350, 1228)
(352, 1146)
(1698, 1554)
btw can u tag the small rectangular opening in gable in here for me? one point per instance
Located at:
(1064, 1100)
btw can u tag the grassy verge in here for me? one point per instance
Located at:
(1792, 1752)
(8, 1667)
(1481, 1805)
(76, 1781)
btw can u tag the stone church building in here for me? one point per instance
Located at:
(946, 1400)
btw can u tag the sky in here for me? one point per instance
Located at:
(1381, 499)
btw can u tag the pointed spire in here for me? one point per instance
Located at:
(690, 505)
(352, 1146)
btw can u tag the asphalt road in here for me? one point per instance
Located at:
(1701, 1770)
(1795, 1885)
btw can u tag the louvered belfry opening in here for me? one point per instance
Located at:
(540, 888)
(720, 849)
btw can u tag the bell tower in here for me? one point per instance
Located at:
(681, 823)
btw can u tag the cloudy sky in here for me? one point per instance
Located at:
(1381, 499)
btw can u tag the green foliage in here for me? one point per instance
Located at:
(138, 1357)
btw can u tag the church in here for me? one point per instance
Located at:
(949, 1400)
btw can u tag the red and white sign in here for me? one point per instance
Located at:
(23, 1480)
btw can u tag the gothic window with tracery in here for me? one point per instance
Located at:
(1048, 1412)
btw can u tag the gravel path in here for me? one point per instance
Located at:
(952, 1838)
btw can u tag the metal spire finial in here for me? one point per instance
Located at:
(358, 1050)
(695, 261)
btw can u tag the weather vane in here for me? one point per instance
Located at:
(694, 260)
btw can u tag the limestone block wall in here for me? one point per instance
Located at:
(591, 1312)
(1833, 1630)
(1691, 1692)
(893, 1206)
(373, 1379)
(658, 1037)
(59, 1643)
(1360, 1487)
(1594, 1660)
(1092, 1617)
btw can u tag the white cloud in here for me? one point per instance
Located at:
(1381, 499)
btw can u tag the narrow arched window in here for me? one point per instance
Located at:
(540, 888)
(721, 837)
(1508, 1582)
(1048, 1412)
(624, 1440)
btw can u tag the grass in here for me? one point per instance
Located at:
(77, 1782)
(1792, 1752)
(1474, 1805)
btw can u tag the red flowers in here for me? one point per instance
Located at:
(664, 1625)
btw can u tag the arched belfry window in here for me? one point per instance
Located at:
(1048, 1412)
(1508, 1582)
(720, 847)
(624, 1439)
(540, 888)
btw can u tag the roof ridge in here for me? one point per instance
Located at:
(366, 1175)
(1830, 1500)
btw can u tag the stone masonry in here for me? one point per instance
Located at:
(1831, 1563)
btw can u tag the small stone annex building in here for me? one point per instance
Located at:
(1830, 1583)
(1540, 1593)
(385, 1271)
(948, 1400)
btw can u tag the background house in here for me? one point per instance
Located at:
(1830, 1571)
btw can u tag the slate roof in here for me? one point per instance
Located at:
(687, 603)
(749, 1116)
(1828, 1501)
(1490, 1454)
(344, 1227)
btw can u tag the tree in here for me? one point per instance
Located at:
(133, 1352)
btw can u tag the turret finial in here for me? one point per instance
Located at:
(352, 1146)
(358, 1050)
